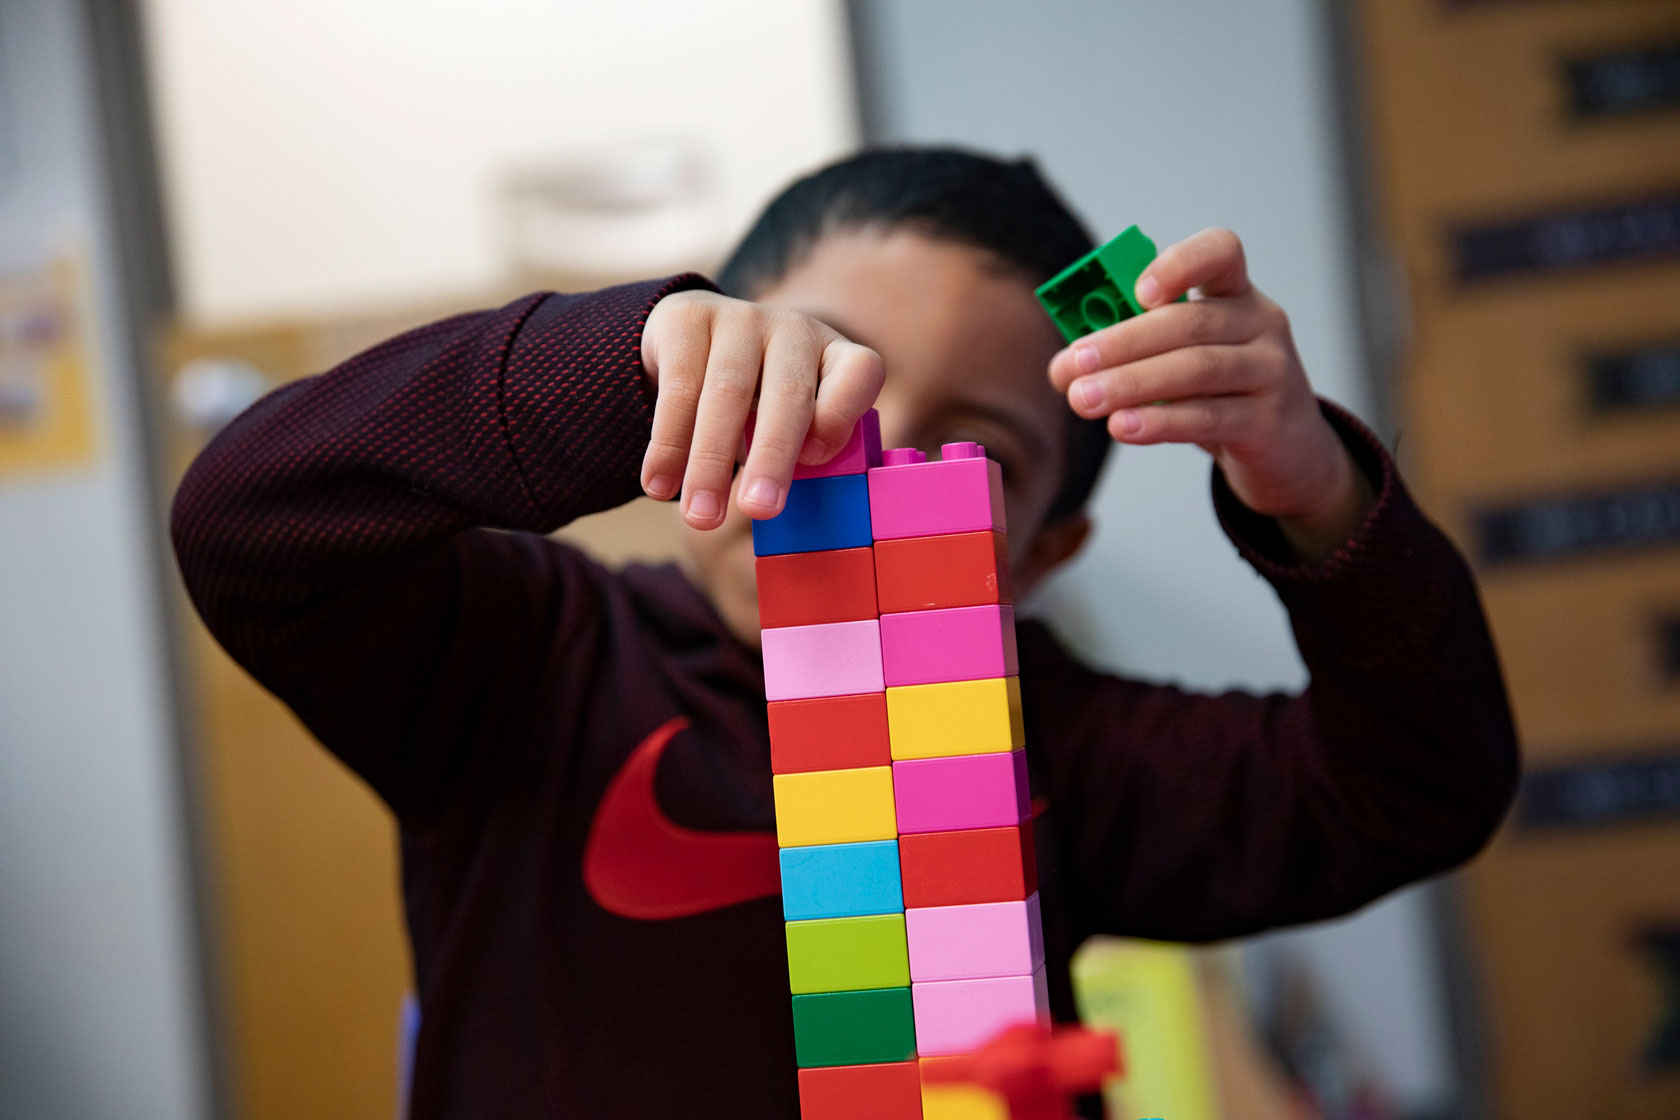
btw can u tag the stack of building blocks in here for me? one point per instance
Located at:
(967, 872)
(908, 880)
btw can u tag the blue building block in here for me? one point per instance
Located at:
(841, 880)
(821, 514)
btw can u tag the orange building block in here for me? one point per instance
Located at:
(956, 570)
(829, 733)
(885, 1091)
(807, 588)
(970, 866)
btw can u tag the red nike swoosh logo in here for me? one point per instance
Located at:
(639, 863)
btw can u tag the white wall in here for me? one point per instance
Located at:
(319, 154)
(1178, 116)
(97, 978)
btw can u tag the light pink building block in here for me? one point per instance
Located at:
(957, 1016)
(861, 452)
(828, 659)
(968, 942)
(963, 791)
(953, 644)
(911, 497)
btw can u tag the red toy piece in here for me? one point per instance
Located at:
(1036, 1072)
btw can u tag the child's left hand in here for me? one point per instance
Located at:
(1221, 372)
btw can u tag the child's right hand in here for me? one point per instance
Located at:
(707, 356)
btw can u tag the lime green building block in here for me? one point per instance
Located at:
(846, 954)
(853, 1028)
(1099, 289)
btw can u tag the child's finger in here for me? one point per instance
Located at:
(1211, 260)
(732, 368)
(1195, 371)
(682, 372)
(1164, 329)
(786, 398)
(1205, 420)
(851, 379)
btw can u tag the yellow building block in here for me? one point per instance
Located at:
(835, 806)
(962, 717)
(959, 1102)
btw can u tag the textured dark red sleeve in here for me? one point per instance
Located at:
(337, 537)
(1196, 817)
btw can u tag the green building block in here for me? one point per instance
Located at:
(846, 954)
(853, 1028)
(1098, 289)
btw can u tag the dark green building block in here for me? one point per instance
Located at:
(1098, 289)
(853, 1028)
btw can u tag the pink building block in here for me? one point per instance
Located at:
(954, 644)
(828, 659)
(861, 452)
(911, 497)
(963, 791)
(969, 942)
(956, 1016)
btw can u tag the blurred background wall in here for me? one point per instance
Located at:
(101, 1010)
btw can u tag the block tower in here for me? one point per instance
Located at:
(908, 879)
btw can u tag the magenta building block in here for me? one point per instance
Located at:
(861, 452)
(828, 659)
(912, 497)
(969, 942)
(962, 791)
(959, 1016)
(952, 644)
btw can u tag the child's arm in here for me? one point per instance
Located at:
(337, 537)
(1221, 371)
(1197, 817)
(1204, 817)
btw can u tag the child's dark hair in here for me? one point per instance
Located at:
(1003, 207)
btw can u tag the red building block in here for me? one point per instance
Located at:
(955, 570)
(807, 588)
(971, 866)
(829, 733)
(885, 1091)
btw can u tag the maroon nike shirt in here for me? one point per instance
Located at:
(369, 544)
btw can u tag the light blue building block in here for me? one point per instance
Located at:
(841, 880)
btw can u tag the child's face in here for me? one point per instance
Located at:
(966, 346)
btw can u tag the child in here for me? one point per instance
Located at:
(578, 759)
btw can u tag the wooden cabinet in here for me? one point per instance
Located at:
(1526, 164)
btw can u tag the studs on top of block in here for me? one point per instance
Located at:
(955, 717)
(910, 496)
(834, 807)
(830, 659)
(954, 570)
(956, 1016)
(967, 791)
(956, 644)
(821, 514)
(854, 1028)
(880, 1091)
(969, 942)
(841, 880)
(849, 954)
(807, 588)
(967, 866)
(861, 451)
(829, 733)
